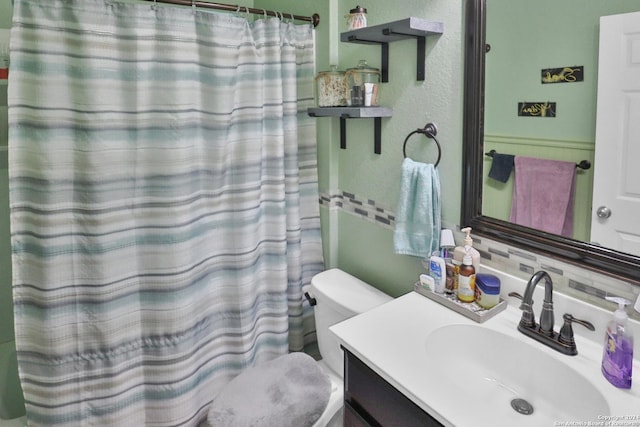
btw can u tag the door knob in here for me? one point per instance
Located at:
(603, 212)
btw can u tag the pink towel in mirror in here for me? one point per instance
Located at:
(543, 195)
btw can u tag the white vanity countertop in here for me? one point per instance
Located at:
(391, 340)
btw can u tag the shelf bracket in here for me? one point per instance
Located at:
(343, 131)
(344, 113)
(377, 129)
(421, 50)
(384, 66)
(421, 57)
(377, 133)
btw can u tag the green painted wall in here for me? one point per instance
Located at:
(566, 34)
(364, 248)
(6, 11)
(354, 245)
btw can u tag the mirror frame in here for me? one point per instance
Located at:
(613, 263)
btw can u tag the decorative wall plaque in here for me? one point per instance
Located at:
(563, 75)
(536, 109)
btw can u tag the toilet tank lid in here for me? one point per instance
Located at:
(347, 291)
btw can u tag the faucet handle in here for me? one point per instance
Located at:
(515, 295)
(566, 332)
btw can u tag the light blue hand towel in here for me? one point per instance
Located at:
(417, 230)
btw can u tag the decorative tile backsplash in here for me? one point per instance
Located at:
(572, 280)
(568, 279)
(368, 209)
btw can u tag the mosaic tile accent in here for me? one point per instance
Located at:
(498, 253)
(527, 269)
(572, 280)
(368, 209)
(587, 289)
(568, 279)
(551, 269)
(522, 254)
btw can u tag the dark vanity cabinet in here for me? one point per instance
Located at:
(370, 401)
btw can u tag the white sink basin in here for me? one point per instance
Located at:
(484, 370)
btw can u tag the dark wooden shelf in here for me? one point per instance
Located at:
(345, 113)
(403, 29)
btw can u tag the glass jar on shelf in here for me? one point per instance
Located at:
(331, 88)
(363, 85)
(357, 18)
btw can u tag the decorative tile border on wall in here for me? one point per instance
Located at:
(368, 209)
(568, 279)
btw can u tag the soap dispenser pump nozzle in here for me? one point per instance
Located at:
(468, 241)
(620, 315)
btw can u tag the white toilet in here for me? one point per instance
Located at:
(338, 296)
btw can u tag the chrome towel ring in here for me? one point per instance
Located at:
(429, 130)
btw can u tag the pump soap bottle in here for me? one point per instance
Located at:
(617, 356)
(467, 279)
(460, 251)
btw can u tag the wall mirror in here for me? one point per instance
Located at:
(477, 111)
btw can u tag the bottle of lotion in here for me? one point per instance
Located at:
(467, 279)
(460, 251)
(617, 356)
(438, 271)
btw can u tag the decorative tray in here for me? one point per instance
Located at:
(469, 309)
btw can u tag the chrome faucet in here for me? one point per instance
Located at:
(544, 333)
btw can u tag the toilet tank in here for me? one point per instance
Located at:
(339, 296)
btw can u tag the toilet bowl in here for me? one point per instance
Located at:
(337, 296)
(332, 415)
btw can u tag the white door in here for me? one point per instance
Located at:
(615, 221)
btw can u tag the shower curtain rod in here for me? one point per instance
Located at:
(315, 19)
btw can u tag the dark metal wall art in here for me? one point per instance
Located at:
(563, 75)
(536, 109)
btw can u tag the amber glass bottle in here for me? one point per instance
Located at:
(467, 280)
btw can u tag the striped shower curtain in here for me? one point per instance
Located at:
(164, 205)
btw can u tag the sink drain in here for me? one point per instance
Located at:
(522, 406)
